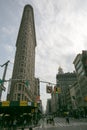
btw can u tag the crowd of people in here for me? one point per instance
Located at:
(13, 123)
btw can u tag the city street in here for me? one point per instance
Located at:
(60, 123)
(43, 65)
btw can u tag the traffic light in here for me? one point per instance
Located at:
(49, 89)
(57, 90)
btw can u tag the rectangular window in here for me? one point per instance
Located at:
(19, 87)
(18, 97)
(22, 96)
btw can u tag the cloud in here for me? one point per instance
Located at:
(9, 48)
(60, 36)
(61, 33)
(8, 30)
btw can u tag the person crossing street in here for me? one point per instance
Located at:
(67, 119)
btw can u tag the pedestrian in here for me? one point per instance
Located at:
(52, 120)
(14, 124)
(30, 128)
(25, 123)
(67, 119)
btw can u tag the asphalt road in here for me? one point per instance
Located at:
(60, 124)
(64, 128)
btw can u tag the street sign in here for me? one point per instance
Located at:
(6, 103)
(35, 104)
(85, 98)
(1, 81)
(23, 103)
(27, 83)
(29, 103)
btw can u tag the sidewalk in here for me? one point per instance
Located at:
(80, 119)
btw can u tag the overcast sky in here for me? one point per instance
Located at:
(61, 33)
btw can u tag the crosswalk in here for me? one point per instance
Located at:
(61, 122)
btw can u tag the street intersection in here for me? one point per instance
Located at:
(61, 124)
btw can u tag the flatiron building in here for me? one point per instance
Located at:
(23, 76)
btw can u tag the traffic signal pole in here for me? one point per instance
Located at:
(3, 78)
(48, 82)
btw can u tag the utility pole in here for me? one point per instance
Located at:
(3, 78)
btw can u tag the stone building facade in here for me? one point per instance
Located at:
(23, 77)
(64, 81)
(80, 63)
